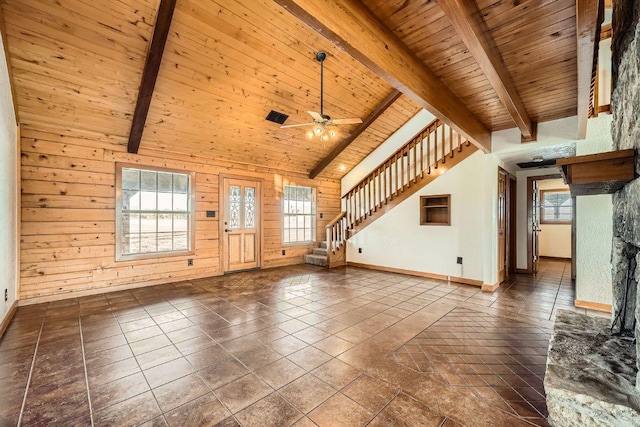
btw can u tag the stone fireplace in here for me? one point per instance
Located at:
(625, 130)
(592, 370)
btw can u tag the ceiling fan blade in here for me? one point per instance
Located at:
(295, 126)
(316, 116)
(346, 121)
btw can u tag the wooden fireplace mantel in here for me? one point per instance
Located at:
(602, 173)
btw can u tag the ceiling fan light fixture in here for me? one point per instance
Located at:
(332, 133)
(318, 130)
(324, 138)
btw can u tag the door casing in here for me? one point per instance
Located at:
(222, 238)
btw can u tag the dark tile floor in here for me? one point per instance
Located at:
(298, 345)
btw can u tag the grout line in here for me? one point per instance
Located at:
(86, 376)
(385, 407)
(33, 364)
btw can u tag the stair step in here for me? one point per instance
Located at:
(320, 251)
(323, 244)
(316, 260)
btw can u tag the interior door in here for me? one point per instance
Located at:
(535, 226)
(502, 225)
(240, 224)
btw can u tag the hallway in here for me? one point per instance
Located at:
(297, 345)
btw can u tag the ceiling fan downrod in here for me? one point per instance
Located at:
(320, 57)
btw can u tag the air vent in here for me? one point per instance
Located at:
(539, 164)
(276, 117)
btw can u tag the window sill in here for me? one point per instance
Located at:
(158, 255)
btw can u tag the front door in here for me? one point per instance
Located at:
(502, 225)
(240, 224)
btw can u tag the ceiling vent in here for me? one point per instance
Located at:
(537, 164)
(277, 117)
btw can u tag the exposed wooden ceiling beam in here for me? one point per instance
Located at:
(587, 28)
(349, 25)
(468, 23)
(150, 73)
(381, 108)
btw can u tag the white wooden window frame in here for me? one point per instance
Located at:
(311, 216)
(191, 200)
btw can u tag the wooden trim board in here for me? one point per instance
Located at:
(606, 308)
(462, 280)
(7, 319)
(490, 288)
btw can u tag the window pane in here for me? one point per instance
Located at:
(180, 183)
(130, 200)
(148, 223)
(250, 207)
(165, 223)
(181, 202)
(148, 242)
(131, 223)
(234, 206)
(165, 202)
(164, 182)
(181, 222)
(148, 180)
(130, 179)
(130, 243)
(165, 242)
(557, 206)
(181, 241)
(148, 201)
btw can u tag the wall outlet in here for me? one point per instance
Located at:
(359, 250)
(321, 215)
(190, 262)
(459, 260)
(284, 252)
(6, 295)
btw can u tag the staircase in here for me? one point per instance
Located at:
(319, 256)
(429, 154)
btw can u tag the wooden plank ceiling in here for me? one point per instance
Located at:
(227, 63)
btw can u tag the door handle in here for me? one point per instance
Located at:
(226, 230)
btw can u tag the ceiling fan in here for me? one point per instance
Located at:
(323, 125)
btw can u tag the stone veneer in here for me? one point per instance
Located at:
(592, 367)
(590, 374)
(625, 131)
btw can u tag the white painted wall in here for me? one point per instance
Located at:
(8, 192)
(594, 224)
(380, 154)
(398, 240)
(554, 239)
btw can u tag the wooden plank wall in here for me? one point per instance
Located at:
(68, 215)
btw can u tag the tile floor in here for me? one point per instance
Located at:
(298, 346)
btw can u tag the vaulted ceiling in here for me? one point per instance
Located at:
(78, 64)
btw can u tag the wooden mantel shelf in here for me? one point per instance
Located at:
(602, 173)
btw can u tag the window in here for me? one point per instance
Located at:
(154, 212)
(556, 207)
(299, 214)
